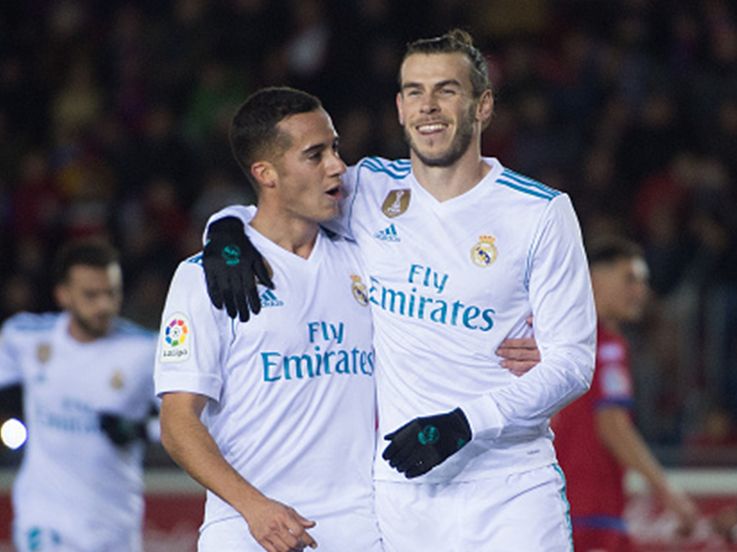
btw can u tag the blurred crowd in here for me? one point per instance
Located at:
(114, 118)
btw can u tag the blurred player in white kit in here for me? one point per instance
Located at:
(87, 385)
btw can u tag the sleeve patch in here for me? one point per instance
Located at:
(615, 382)
(176, 339)
(610, 352)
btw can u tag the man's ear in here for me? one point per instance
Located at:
(265, 174)
(400, 114)
(485, 108)
(61, 294)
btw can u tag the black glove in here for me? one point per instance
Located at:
(232, 265)
(122, 431)
(420, 445)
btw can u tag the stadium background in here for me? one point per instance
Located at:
(114, 116)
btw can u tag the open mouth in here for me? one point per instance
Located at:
(334, 191)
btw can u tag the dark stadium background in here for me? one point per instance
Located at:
(113, 120)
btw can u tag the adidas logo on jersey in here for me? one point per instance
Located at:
(269, 299)
(388, 234)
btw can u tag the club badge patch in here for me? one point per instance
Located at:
(116, 381)
(615, 382)
(359, 290)
(176, 339)
(396, 202)
(43, 352)
(484, 253)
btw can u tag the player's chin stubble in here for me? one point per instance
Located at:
(457, 148)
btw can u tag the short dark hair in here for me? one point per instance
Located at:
(454, 41)
(94, 252)
(253, 130)
(609, 249)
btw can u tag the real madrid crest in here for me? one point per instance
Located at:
(117, 382)
(43, 352)
(359, 290)
(484, 253)
(396, 202)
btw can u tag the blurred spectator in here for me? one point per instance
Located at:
(79, 102)
(35, 201)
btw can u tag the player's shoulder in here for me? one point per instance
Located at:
(190, 267)
(188, 280)
(193, 260)
(31, 323)
(190, 271)
(524, 188)
(382, 169)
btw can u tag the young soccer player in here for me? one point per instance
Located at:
(276, 417)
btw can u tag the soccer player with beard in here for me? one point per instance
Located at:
(87, 382)
(459, 252)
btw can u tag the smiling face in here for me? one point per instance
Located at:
(308, 171)
(440, 116)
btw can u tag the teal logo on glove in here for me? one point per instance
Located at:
(429, 435)
(232, 255)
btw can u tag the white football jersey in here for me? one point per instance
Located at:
(292, 400)
(73, 482)
(447, 282)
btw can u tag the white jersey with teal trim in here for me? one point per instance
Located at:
(74, 487)
(292, 400)
(447, 282)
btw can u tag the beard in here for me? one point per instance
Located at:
(94, 327)
(458, 146)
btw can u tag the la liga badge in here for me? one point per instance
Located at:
(176, 339)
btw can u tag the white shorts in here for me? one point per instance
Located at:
(336, 534)
(525, 511)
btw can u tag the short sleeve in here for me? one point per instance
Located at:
(190, 344)
(613, 382)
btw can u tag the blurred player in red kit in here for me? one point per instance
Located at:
(595, 438)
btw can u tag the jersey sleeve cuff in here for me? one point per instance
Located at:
(202, 384)
(484, 417)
